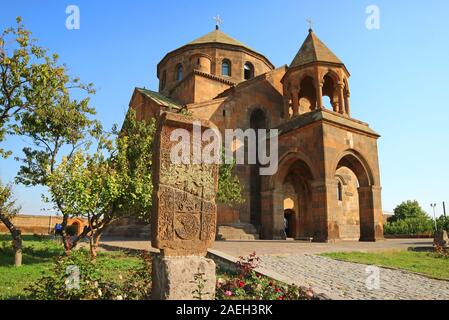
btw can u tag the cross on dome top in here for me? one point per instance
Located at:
(218, 22)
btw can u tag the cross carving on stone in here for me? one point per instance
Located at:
(218, 22)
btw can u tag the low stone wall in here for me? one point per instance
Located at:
(34, 224)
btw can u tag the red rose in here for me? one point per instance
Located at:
(241, 284)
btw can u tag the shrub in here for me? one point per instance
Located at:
(63, 283)
(441, 252)
(409, 219)
(76, 277)
(410, 226)
(138, 284)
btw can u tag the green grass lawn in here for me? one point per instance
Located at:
(425, 263)
(38, 257)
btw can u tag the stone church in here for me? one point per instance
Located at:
(327, 187)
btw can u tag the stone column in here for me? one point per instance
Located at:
(371, 224)
(319, 95)
(319, 212)
(341, 100)
(347, 98)
(184, 216)
(272, 215)
(332, 210)
(286, 107)
(295, 103)
(324, 202)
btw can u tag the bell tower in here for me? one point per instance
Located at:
(315, 74)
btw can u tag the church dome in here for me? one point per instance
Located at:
(215, 55)
(218, 36)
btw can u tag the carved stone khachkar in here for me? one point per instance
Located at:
(183, 214)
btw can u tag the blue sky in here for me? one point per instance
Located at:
(399, 73)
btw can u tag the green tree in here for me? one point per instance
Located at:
(408, 209)
(32, 83)
(112, 183)
(229, 187)
(35, 102)
(443, 223)
(409, 219)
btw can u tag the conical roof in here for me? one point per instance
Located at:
(314, 50)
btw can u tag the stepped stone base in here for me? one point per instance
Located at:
(174, 278)
(237, 231)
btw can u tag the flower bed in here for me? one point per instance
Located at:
(247, 284)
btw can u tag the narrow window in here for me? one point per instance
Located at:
(340, 191)
(226, 68)
(179, 72)
(248, 70)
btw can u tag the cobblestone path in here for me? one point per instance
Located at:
(345, 280)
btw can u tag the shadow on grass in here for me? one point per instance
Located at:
(421, 249)
(35, 250)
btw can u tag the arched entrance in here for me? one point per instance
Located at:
(355, 196)
(77, 227)
(343, 205)
(300, 177)
(293, 187)
(347, 212)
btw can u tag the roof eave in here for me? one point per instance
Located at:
(299, 67)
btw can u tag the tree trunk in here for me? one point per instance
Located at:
(16, 235)
(94, 243)
(66, 239)
(17, 243)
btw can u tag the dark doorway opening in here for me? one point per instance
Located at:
(257, 121)
(289, 219)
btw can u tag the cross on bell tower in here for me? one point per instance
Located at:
(218, 22)
(310, 22)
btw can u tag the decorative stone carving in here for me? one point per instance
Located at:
(184, 210)
(184, 213)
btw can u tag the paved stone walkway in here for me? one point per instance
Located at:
(347, 281)
(265, 247)
(298, 262)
